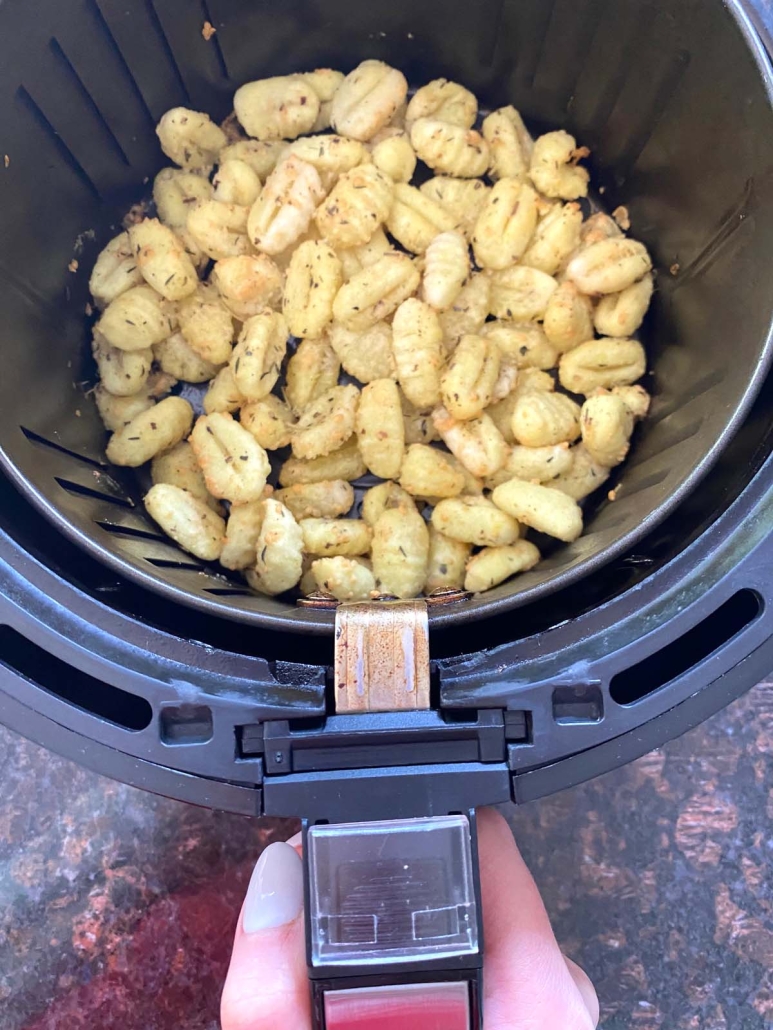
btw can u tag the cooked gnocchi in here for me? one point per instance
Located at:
(467, 342)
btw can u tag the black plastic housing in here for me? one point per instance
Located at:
(656, 618)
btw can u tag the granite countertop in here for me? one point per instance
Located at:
(117, 907)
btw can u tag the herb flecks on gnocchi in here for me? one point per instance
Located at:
(467, 341)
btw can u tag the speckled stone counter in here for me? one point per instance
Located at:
(117, 907)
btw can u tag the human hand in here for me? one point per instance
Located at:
(529, 984)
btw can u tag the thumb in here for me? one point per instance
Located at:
(266, 984)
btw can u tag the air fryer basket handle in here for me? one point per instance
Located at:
(393, 917)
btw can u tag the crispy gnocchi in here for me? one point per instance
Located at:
(467, 342)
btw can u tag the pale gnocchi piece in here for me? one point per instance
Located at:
(354, 259)
(468, 312)
(234, 464)
(236, 182)
(135, 320)
(325, 83)
(270, 421)
(115, 271)
(358, 204)
(476, 443)
(553, 167)
(446, 269)
(609, 266)
(445, 101)
(540, 464)
(324, 500)
(635, 398)
(261, 155)
(419, 427)
(394, 156)
(606, 423)
(313, 280)
(187, 520)
(174, 194)
(450, 149)
(418, 353)
(599, 226)
(123, 373)
(462, 198)
(366, 355)
(379, 427)
(381, 497)
(505, 224)
(223, 394)
(207, 325)
(220, 230)
(446, 563)
(427, 472)
(241, 535)
(151, 432)
(257, 358)
(400, 551)
(621, 314)
(331, 155)
(475, 520)
(311, 372)
(179, 467)
(415, 219)
(327, 423)
(584, 476)
(281, 107)
(329, 537)
(373, 294)
(279, 551)
(247, 284)
(529, 380)
(177, 358)
(191, 139)
(367, 100)
(467, 382)
(117, 411)
(556, 237)
(521, 294)
(568, 318)
(510, 144)
(543, 419)
(493, 565)
(283, 211)
(540, 507)
(523, 343)
(345, 578)
(345, 463)
(607, 362)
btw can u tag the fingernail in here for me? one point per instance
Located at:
(275, 894)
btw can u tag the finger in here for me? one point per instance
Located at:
(266, 986)
(527, 983)
(585, 987)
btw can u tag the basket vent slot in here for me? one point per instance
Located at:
(45, 670)
(689, 650)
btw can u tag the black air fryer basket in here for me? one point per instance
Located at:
(132, 657)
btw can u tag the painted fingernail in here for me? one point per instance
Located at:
(275, 894)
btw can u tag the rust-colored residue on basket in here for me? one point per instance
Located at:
(381, 657)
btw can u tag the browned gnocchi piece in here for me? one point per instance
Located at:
(554, 169)
(323, 500)
(394, 156)
(270, 421)
(223, 393)
(179, 467)
(475, 520)
(345, 463)
(256, 360)
(279, 551)
(428, 472)
(525, 344)
(607, 362)
(177, 358)
(327, 423)
(283, 211)
(446, 562)
(347, 579)
(568, 318)
(400, 551)
(609, 266)
(555, 238)
(135, 320)
(621, 314)
(381, 497)
(510, 144)
(606, 423)
(374, 293)
(207, 325)
(247, 284)
(366, 355)
(220, 230)
(367, 100)
(583, 477)
(543, 419)
(312, 282)
(450, 149)
(241, 535)
(329, 537)
(331, 155)
(359, 203)
(311, 372)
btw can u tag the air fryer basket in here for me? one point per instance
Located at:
(669, 96)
